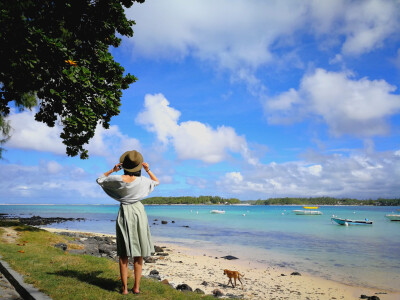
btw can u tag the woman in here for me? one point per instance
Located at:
(133, 232)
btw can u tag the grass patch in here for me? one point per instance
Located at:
(67, 276)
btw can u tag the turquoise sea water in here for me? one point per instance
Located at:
(366, 255)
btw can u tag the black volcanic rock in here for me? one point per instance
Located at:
(61, 246)
(229, 257)
(184, 288)
(158, 249)
(40, 221)
(295, 274)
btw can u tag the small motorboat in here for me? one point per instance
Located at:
(347, 222)
(393, 217)
(307, 212)
(216, 211)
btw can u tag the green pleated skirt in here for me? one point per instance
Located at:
(133, 231)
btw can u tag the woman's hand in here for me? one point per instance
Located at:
(146, 166)
(147, 169)
(115, 169)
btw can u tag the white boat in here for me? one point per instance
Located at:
(393, 217)
(216, 211)
(307, 212)
(348, 222)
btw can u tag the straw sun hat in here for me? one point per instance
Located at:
(131, 161)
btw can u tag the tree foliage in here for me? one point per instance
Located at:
(271, 201)
(55, 55)
(325, 201)
(190, 200)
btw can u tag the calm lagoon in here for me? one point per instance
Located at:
(270, 235)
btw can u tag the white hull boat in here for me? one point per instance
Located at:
(348, 222)
(393, 217)
(216, 211)
(307, 212)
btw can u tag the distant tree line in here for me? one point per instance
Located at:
(191, 200)
(325, 201)
(210, 200)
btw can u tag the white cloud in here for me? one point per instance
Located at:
(248, 34)
(165, 179)
(53, 167)
(338, 59)
(191, 139)
(29, 134)
(195, 140)
(368, 23)
(128, 143)
(47, 182)
(359, 175)
(285, 108)
(232, 33)
(234, 177)
(159, 117)
(111, 142)
(348, 106)
(325, 14)
(245, 36)
(315, 170)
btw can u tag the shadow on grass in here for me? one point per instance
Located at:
(9, 223)
(18, 225)
(91, 278)
(28, 228)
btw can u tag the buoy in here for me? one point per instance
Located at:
(244, 215)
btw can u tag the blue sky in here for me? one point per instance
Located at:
(245, 99)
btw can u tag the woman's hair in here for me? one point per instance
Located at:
(136, 174)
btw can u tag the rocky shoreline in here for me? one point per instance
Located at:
(105, 246)
(158, 267)
(37, 220)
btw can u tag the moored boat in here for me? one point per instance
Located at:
(307, 212)
(347, 222)
(216, 211)
(393, 217)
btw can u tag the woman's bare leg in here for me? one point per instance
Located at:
(138, 263)
(123, 268)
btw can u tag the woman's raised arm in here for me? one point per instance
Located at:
(147, 169)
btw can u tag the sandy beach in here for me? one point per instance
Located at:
(196, 265)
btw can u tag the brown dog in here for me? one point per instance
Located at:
(235, 275)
